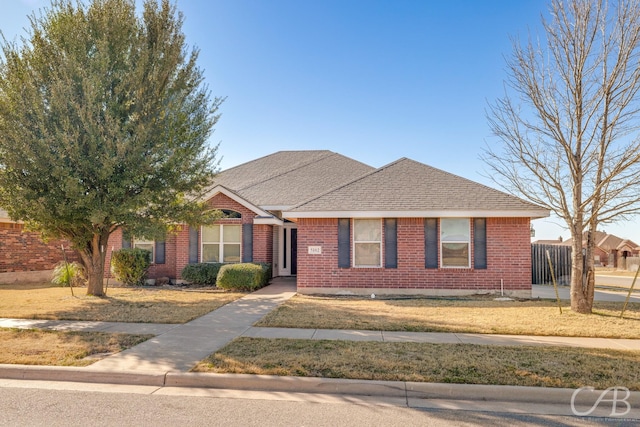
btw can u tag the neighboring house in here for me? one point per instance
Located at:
(24, 257)
(611, 250)
(343, 227)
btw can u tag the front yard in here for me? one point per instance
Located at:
(447, 363)
(482, 315)
(443, 363)
(455, 363)
(136, 305)
(122, 304)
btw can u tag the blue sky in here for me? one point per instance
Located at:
(373, 80)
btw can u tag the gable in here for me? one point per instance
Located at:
(222, 198)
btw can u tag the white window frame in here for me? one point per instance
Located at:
(220, 243)
(145, 242)
(467, 242)
(354, 243)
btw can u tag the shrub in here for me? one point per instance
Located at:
(68, 274)
(202, 273)
(130, 266)
(244, 277)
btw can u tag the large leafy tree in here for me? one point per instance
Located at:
(104, 123)
(569, 124)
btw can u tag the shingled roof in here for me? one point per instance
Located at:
(406, 188)
(286, 178)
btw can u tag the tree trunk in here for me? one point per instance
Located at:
(93, 256)
(581, 277)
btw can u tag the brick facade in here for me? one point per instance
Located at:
(508, 259)
(25, 251)
(177, 243)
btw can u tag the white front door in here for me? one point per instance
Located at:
(288, 250)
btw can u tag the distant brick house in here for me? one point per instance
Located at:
(343, 227)
(611, 250)
(24, 257)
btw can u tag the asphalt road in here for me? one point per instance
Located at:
(617, 281)
(71, 404)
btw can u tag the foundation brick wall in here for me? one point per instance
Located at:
(508, 258)
(25, 251)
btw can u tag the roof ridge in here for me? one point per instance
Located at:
(261, 179)
(326, 153)
(347, 183)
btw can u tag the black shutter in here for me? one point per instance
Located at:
(193, 245)
(344, 242)
(126, 240)
(480, 243)
(247, 242)
(430, 243)
(390, 243)
(160, 252)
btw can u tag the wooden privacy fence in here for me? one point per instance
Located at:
(560, 258)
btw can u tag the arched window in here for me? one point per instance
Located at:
(230, 214)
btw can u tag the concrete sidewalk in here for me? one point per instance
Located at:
(602, 293)
(442, 338)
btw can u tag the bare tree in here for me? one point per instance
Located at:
(568, 124)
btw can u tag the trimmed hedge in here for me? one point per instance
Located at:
(244, 277)
(130, 266)
(202, 273)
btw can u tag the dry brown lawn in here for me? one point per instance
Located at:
(481, 315)
(137, 305)
(443, 363)
(32, 347)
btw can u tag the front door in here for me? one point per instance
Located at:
(288, 250)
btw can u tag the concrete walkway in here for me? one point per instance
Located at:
(182, 346)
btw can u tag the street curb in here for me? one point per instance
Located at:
(79, 374)
(313, 385)
(287, 384)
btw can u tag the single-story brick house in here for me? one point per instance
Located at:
(343, 227)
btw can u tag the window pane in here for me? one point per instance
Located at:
(455, 255)
(211, 233)
(231, 253)
(145, 246)
(367, 254)
(210, 253)
(231, 233)
(454, 229)
(367, 230)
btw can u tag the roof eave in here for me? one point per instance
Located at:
(532, 214)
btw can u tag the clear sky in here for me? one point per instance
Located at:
(374, 80)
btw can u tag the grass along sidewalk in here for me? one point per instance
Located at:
(442, 363)
(122, 304)
(34, 347)
(481, 315)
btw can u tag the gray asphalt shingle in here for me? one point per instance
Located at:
(407, 185)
